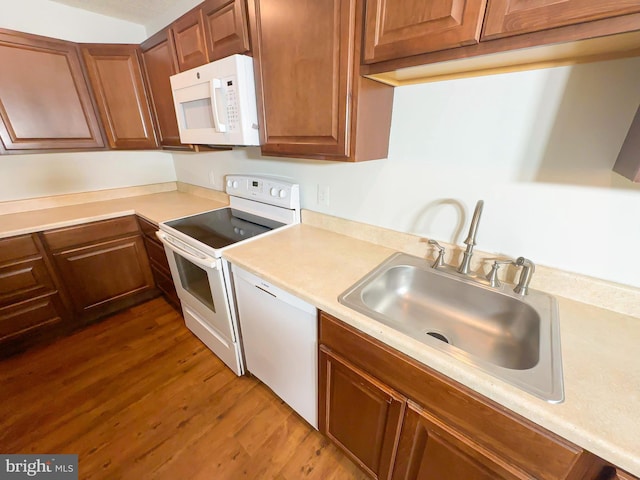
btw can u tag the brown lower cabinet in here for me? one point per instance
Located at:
(159, 263)
(31, 307)
(400, 420)
(104, 265)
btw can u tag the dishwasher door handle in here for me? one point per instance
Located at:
(266, 291)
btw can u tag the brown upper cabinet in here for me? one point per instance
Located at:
(397, 28)
(115, 72)
(226, 28)
(514, 17)
(312, 101)
(213, 30)
(159, 59)
(190, 44)
(45, 102)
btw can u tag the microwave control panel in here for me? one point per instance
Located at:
(231, 102)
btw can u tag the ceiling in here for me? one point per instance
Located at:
(138, 11)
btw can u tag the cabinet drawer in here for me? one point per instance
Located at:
(23, 318)
(148, 228)
(90, 232)
(157, 255)
(17, 247)
(23, 279)
(165, 285)
(538, 452)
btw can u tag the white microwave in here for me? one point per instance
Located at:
(216, 103)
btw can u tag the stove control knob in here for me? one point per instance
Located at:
(274, 192)
(229, 183)
(282, 193)
(235, 184)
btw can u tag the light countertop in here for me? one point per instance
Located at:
(600, 351)
(156, 207)
(601, 412)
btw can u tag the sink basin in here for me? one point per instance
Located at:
(513, 337)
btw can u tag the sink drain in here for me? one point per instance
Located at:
(439, 336)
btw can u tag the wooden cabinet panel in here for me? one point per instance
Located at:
(514, 17)
(24, 279)
(30, 317)
(400, 28)
(14, 248)
(359, 413)
(90, 232)
(160, 63)
(115, 73)
(45, 102)
(188, 35)
(107, 272)
(431, 450)
(494, 429)
(226, 27)
(311, 99)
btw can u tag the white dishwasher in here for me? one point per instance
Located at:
(280, 340)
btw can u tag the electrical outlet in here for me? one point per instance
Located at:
(323, 195)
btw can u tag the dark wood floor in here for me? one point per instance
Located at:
(137, 396)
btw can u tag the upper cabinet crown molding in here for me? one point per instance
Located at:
(115, 72)
(45, 102)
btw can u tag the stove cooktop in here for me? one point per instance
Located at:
(223, 227)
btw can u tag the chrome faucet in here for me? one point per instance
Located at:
(471, 239)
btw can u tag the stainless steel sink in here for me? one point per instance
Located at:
(513, 337)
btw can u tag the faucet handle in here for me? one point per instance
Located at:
(492, 276)
(440, 259)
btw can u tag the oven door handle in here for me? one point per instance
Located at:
(180, 248)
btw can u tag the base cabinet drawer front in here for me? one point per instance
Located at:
(514, 17)
(359, 414)
(90, 232)
(165, 284)
(24, 279)
(15, 248)
(431, 450)
(157, 255)
(107, 272)
(24, 318)
(497, 432)
(397, 28)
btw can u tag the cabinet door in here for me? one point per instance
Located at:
(105, 273)
(226, 28)
(159, 59)
(361, 415)
(514, 17)
(431, 450)
(190, 43)
(45, 102)
(115, 73)
(305, 53)
(400, 28)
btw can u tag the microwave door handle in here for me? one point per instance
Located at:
(205, 262)
(216, 84)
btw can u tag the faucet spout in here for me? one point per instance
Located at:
(471, 239)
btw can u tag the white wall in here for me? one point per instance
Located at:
(51, 19)
(29, 176)
(35, 175)
(537, 146)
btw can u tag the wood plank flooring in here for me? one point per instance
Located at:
(138, 397)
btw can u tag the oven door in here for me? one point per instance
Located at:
(200, 283)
